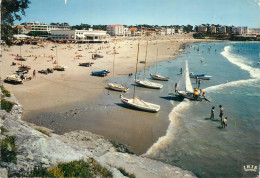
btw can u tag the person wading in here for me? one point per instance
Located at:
(212, 113)
(221, 111)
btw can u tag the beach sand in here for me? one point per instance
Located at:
(64, 91)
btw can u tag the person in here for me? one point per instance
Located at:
(196, 79)
(196, 93)
(202, 92)
(34, 74)
(212, 113)
(175, 87)
(224, 122)
(181, 71)
(221, 111)
(199, 83)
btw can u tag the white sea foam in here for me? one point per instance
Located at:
(240, 62)
(164, 141)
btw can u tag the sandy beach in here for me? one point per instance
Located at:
(62, 91)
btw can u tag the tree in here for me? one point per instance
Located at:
(11, 10)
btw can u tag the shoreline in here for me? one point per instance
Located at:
(68, 98)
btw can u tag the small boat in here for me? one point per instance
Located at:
(86, 64)
(20, 58)
(24, 68)
(184, 87)
(149, 84)
(200, 76)
(117, 87)
(13, 79)
(140, 104)
(101, 73)
(59, 68)
(135, 102)
(159, 77)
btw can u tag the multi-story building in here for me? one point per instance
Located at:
(127, 31)
(91, 36)
(23, 29)
(213, 29)
(239, 30)
(202, 29)
(37, 26)
(116, 30)
(169, 31)
(222, 29)
(254, 31)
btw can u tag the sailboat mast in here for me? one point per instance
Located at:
(145, 59)
(136, 70)
(114, 63)
(56, 54)
(156, 62)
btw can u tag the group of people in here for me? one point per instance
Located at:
(196, 93)
(223, 120)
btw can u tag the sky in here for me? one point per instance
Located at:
(152, 12)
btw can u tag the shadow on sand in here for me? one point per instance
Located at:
(214, 120)
(174, 98)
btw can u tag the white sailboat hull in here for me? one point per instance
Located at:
(159, 77)
(140, 104)
(149, 84)
(117, 87)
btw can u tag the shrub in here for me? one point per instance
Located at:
(123, 171)
(5, 92)
(120, 147)
(8, 150)
(73, 169)
(3, 130)
(6, 105)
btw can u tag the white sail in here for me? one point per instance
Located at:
(184, 83)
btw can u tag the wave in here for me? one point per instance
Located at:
(164, 141)
(240, 62)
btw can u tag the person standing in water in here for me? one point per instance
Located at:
(212, 113)
(198, 83)
(221, 111)
(175, 87)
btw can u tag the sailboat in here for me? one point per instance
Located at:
(145, 82)
(136, 102)
(116, 86)
(184, 86)
(156, 76)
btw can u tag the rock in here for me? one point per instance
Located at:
(3, 173)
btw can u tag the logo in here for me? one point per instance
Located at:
(251, 168)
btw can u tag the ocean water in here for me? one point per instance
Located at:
(196, 143)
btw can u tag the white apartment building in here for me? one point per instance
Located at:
(169, 31)
(37, 26)
(213, 29)
(116, 30)
(239, 30)
(202, 29)
(222, 29)
(91, 36)
(254, 31)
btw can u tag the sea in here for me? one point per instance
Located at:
(195, 142)
(182, 133)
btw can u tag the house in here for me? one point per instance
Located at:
(116, 30)
(202, 29)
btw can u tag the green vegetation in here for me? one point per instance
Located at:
(11, 10)
(120, 147)
(89, 168)
(8, 149)
(5, 92)
(43, 131)
(3, 130)
(215, 36)
(123, 171)
(38, 33)
(6, 105)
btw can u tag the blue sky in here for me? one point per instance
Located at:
(153, 12)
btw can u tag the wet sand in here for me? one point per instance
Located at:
(75, 100)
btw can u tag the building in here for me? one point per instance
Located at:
(127, 31)
(92, 36)
(239, 30)
(116, 30)
(254, 31)
(169, 31)
(213, 29)
(37, 26)
(135, 32)
(202, 29)
(23, 29)
(222, 29)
